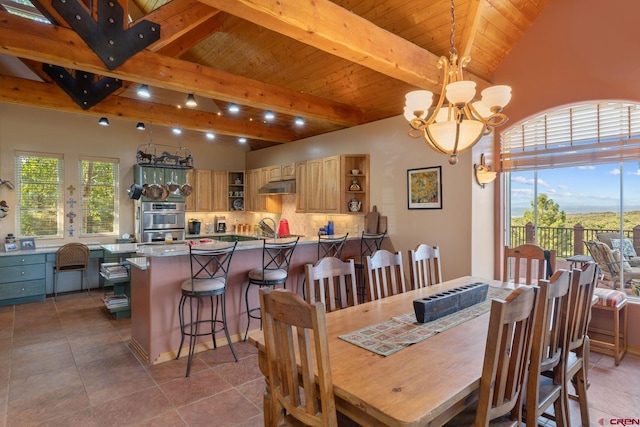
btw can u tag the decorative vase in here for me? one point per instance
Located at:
(354, 185)
(354, 205)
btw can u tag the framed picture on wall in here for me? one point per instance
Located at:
(27, 244)
(424, 188)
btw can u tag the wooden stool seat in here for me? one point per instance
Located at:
(613, 343)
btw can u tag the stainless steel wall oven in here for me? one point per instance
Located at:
(155, 219)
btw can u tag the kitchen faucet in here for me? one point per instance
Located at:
(262, 224)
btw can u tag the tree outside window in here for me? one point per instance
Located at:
(99, 180)
(39, 195)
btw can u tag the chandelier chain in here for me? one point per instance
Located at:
(452, 37)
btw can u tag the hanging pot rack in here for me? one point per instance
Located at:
(164, 156)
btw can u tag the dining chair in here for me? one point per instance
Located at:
(293, 354)
(385, 274)
(546, 377)
(528, 263)
(369, 244)
(209, 279)
(505, 362)
(71, 257)
(583, 284)
(274, 271)
(332, 282)
(424, 266)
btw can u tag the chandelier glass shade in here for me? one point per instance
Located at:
(456, 122)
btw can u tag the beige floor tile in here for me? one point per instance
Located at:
(197, 386)
(228, 408)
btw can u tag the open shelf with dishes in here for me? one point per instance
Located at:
(236, 190)
(355, 183)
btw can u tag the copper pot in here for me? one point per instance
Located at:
(186, 189)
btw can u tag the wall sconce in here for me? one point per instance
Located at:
(484, 174)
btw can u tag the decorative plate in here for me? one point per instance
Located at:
(238, 204)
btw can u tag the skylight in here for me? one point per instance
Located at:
(24, 9)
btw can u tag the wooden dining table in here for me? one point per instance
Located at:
(424, 384)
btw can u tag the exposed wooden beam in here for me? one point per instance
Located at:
(181, 23)
(48, 95)
(471, 26)
(60, 46)
(333, 29)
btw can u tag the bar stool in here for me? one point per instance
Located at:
(331, 246)
(209, 271)
(369, 244)
(276, 258)
(612, 343)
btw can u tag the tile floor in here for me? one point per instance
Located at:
(68, 363)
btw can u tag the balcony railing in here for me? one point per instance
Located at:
(567, 241)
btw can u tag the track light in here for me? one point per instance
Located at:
(191, 101)
(299, 121)
(140, 126)
(268, 115)
(143, 91)
(177, 130)
(210, 135)
(103, 121)
(233, 108)
(242, 140)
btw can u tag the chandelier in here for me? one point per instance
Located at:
(454, 126)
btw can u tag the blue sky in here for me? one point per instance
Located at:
(580, 189)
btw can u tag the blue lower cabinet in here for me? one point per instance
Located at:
(22, 279)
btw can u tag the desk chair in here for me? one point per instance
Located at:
(546, 378)
(369, 244)
(385, 273)
(538, 264)
(332, 282)
(71, 257)
(209, 272)
(274, 271)
(583, 284)
(294, 391)
(506, 358)
(424, 266)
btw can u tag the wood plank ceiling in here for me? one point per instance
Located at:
(334, 63)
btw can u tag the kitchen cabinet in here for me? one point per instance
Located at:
(256, 202)
(301, 186)
(288, 171)
(236, 189)
(274, 173)
(322, 185)
(22, 279)
(314, 185)
(210, 189)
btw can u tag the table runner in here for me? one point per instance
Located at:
(390, 336)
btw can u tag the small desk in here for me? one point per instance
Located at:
(424, 384)
(579, 260)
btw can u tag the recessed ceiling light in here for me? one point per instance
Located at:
(191, 101)
(299, 121)
(176, 130)
(233, 108)
(242, 140)
(140, 126)
(143, 91)
(210, 135)
(268, 115)
(103, 121)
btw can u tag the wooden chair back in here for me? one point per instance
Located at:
(295, 336)
(506, 356)
(526, 264)
(385, 273)
(332, 282)
(583, 284)
(548, 350)
(424, 266)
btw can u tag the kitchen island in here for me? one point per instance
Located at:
(158, 271)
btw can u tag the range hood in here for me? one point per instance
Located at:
(279, 187)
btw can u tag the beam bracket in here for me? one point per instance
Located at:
(82, 88)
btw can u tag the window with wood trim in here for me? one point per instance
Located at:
(99, 193)
(39, 195)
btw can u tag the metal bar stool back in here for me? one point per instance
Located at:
(369, 244)
(276, 259)
(209, 272)
(329, 246)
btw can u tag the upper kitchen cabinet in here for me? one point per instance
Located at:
(289, 171)
(256, 202)
(210, 189)
(322, 190)
(301, 186)
(355, 183)
(274, 173)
